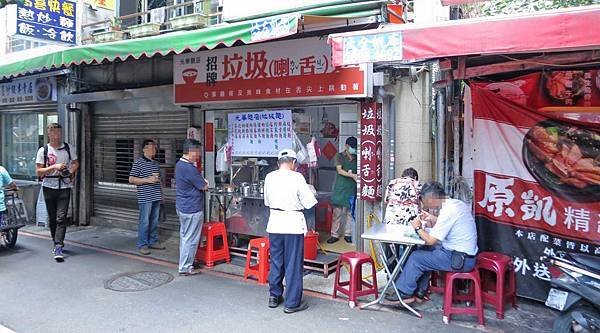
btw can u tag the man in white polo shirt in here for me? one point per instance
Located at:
(452, 240)
(287, 194)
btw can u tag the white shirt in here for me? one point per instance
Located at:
(287, 190)
(55, 156)
(455, 227)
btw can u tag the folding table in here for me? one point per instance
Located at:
(397, 235)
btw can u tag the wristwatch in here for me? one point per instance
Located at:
(417, 229)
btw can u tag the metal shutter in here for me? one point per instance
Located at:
(117, 140)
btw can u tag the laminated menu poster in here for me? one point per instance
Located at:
(260, 134)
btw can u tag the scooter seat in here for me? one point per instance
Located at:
(590, 262)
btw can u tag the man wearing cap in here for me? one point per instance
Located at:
(344, 191)
(287, 194)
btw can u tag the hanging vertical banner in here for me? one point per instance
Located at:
(370, 151)
(47, 20)
(537, 181)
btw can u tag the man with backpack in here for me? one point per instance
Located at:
(56, 165)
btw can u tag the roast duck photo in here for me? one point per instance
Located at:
(565, 159)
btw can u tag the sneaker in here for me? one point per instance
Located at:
(157, 246)
(348, 239)
(58, 253)
(192, 271)
(332, 240)
(144, 250)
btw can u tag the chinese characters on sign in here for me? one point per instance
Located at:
(48, 20)
(28, 91)
(260, 134)
(525, 205)
(273, 71)
(370, 151)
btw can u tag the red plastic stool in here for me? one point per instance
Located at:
(451, 295)
(502, 289)
(324, 216)
(437, 282)
(355, 285)
(260, 269)
(214, 246)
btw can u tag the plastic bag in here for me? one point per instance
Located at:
(301, 152)
(221, 162)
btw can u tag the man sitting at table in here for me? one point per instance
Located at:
(452, 243)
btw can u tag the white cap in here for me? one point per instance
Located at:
(286, 153)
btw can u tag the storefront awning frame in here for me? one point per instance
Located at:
(549, 31)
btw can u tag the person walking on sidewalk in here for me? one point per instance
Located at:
(189, 200)
(5, 182)
(344, 191)
(145, 174)
(57, 164)
(286, 193)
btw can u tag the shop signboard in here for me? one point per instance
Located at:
(287, 70)
(260, 134)
(106, 4)
(370, 151)
(32, 90)
(537, 177)
(46, 20)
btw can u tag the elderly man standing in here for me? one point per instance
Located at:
(145, 174)
(190, 205)
(287, 194)
(453, 241)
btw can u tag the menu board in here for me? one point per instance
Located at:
(260, 134)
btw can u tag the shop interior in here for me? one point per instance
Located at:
(237, 194)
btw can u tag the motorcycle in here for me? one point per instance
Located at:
(575, 292)
(12, 220)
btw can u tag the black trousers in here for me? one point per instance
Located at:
(57, 204)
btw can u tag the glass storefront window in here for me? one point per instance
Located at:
(22, 135)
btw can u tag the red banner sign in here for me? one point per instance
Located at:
(537, 174)
(285, 70)
(370, 151)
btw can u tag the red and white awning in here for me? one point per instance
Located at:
(561, 30)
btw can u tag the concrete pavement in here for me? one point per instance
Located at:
(97, 254)
(40, 295)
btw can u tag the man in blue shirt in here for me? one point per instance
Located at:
(145, 174)
(189, 201)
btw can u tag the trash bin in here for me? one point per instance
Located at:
(311, 245)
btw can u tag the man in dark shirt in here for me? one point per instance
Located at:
(190, 202)
(145, 174)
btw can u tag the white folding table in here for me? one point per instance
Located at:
(397, 235)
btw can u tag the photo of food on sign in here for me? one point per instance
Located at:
(565, 159)
(565, 85)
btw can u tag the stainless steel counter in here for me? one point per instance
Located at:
(247, 215)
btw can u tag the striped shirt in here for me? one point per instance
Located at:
(142, 168)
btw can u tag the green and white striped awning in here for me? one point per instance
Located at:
(247, 32)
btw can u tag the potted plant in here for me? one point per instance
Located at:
(190, 21)
(115, 23)
(112, 35)
(144, 29)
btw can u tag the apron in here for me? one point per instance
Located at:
(345, 187)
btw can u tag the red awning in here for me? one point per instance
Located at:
(563, 30)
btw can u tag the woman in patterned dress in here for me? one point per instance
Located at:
(402, 198)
